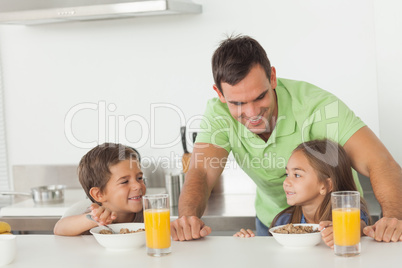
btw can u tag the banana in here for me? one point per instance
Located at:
(4, 227)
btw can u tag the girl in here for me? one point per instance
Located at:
(314, 170)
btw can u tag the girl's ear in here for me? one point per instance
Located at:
(96, 194)
(326, 187)
(330, 185)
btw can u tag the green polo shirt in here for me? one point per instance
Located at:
(305, 112)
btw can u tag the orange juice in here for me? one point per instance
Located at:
(346, 226)
(157, 228)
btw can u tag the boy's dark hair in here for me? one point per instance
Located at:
(329, 160)
(234, 58)
(94, 167)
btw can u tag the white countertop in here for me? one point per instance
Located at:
(212, 251)
(29, 208)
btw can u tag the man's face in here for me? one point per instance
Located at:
(252, 101)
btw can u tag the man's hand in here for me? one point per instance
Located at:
(386, 229)
(189, 228)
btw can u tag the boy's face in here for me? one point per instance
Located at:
(125, 188)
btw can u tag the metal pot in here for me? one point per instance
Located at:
(49, 194)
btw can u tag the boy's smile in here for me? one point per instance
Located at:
(137, 198)
(125, 188)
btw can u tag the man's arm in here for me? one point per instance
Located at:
(206, 165)
(370, 158)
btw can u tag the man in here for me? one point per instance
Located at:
(261, 119)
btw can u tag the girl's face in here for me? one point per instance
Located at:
(302, 186)
(125, 188)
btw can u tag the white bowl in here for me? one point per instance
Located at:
(297, 240)
(120, 241)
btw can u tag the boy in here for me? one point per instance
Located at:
(112, 179)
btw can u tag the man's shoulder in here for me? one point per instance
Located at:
(302, 89)
(214, 101)
(304, 96)
(215, 107)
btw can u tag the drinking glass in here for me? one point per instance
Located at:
(346, 222)
(157, 224)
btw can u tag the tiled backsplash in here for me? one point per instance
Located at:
(28, 176)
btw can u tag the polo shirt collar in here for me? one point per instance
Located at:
(286, 123)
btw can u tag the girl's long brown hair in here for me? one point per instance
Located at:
(329, 160)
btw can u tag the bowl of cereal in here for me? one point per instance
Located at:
(127, 236)
(297, 235)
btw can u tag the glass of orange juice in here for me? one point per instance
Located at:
(157, 224)
(346, 222)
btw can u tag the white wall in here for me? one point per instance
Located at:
(388, 29)
(134, 63)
